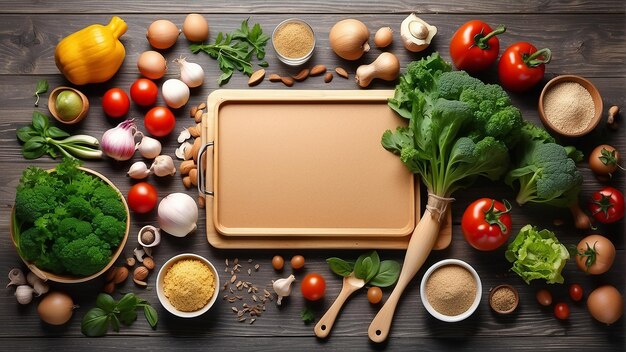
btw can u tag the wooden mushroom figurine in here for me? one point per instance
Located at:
(416, 33)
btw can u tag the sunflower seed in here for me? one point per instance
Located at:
(226, 261)
(234, 309)
(256, 267)
(252, 321)
(249, 272)
(242, 319)
(233, 278)
(249, 260)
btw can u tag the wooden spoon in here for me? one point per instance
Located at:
(350, 284)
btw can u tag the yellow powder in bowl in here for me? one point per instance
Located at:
(189, 285)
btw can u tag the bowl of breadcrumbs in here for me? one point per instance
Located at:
(187, 285)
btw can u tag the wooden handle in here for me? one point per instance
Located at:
(322, 328)
(445, 232)
(422, 241)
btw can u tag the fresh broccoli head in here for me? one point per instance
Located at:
(113, 207)
(549, 176)
(108, 228)
(33, 203)
(85, 256)
(73, 228)
(32, 244)
(79, 207)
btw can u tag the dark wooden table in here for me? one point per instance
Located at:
(587, 38)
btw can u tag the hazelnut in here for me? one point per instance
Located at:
(109, 287)
(121, 273)
(110, 274)
(140, 273)
(148, 263)
(130, 261)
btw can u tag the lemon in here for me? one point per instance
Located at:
(68, 105)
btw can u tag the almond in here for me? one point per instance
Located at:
(195, 148)
(193, 176)
(202, 106)
(342, 72)
(274, 77)
(256, 77)
(140, 283)
(317, 70)
(193, 131)
(140, 273)
(328, 77)
(201, 202)
(302, 75)
(121, 273)
(198, 116)
(186, 166)
(187, 182)
(148, 262)
(288, 81)
(192, 112)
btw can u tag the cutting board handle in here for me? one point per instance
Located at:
(201, 183)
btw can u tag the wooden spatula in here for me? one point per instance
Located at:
(350, 284)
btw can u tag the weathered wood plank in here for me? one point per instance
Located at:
(586, 45)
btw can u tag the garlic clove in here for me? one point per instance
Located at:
(148, 147)
(180, 151)
(138, 171)
(16, 277)
(184, 135)
(40, 288)
(149, 236)
(282, 287)
(163, 165)
(416, 33)
(24, 294)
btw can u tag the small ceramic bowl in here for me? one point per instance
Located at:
(52, 99)
(495, 307)
(431, 309)
(165, 302)
(293, 61)
(595, 96)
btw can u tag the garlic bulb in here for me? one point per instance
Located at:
(177, 214)
(416, 33)
(16, 277)
(175, 93)
(138, 170)
(282, 287)
(163, 165)
(39, 286)
(191, 73)
(24, 294)
(148, 147)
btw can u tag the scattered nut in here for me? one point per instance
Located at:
(288, 81)
(184, 135)
(194, 131)
(317, 70)
(141, 272)
(187, 182)
(110, 274)
(302, 75)
(342, 72)
(274, 77)
(256, 77)
(611, 120)
(193, 176)
(328, 77)
(198, 116)
(140, 283)
(202, 106)
(121, 273)
(195, 148)
(130, 261)
(149, 263)
(181, 152)
(186, 166)
(201, 202)
(193, 110)
(109, 287)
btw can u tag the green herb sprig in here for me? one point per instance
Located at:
(42, 87)
(307, 315)
(369, 268)
(108, 311)
(40, 138)
(234, 51)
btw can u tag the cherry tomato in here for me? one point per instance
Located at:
(313, 287)
(544, 297)
(278, 262)
(297, 262)
(159, 121)
(576, 292)
(374, 294)
(607, 205)
(144, 92)
(561, 311)
(486, 223)
(595, 254)
(522, 66)
(474, 46)
(115, 102)
(142, 197)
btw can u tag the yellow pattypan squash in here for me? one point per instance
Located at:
(93, 54)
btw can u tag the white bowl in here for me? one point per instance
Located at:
(451, 318)
(165, 302)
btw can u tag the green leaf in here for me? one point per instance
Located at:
(128, 302)
(115, 323)
(34, 148)
(387, 275)
(25, 133)
(224, 78)
(127, 317)
(151, 315)
(263, 64)
(307, 315)
(56, 133)
(105, 302)
(40, 122)
(95, 323)
(219, 38)
(42, 87)
(340, 266)
(367, 265)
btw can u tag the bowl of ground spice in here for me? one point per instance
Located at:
(570, 105)
(293, 41)
(503, 299)
(187, 285)
(451, 290)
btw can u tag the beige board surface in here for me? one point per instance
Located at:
(233, 221)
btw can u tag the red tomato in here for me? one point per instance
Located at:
(474, 46)
(313, 287)
(561, 311)
(142, 197)
(159, 121)
(576, 292)
(607, 205)
(522, 66)
(144, 92)
(486, 224)
(115, 102)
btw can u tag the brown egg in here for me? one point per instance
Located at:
(605, 304)
(152, 64)
(196, 28)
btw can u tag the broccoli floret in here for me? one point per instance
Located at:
(31, 244)
(79, 207)
(33, 203)
(549, 177)
(452, 84)
(113, 207)
(109, 229)
(73, 228)
(102, 193)
(85, 256)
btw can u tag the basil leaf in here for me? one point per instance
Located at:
(340, 266)
(115, 323)
(95, 323)
(55, 132)
(151, 315)
(127, 317)
(25, 133)
(367, 265)
(42, 87)
(387, 275)
(105, 302)
(34, 148)
(128, 302)
(40, 122)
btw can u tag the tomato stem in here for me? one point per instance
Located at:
(481, 40)
(492, 216)
(537, 58)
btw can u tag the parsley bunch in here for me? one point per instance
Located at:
(234, 51)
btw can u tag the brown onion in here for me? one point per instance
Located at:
(56, 308)
(348, 39)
